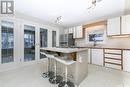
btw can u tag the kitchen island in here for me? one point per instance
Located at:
(78, 70)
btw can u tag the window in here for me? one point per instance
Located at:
(96, 37)
(53, 38)
(29, 43)
(7, 42)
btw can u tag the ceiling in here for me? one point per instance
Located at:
(73, 12)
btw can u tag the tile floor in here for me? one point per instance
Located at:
(30, 76)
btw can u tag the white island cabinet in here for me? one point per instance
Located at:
(126, 60)
(79, 69)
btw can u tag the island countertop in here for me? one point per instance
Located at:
(64, 50)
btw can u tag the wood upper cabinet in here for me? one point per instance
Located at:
(113, 26)
(125, 29)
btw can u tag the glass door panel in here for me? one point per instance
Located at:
(7, 37)
(53, 38)
(43, 40)
(29, 43)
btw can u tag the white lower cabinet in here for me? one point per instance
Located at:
(89, 56)
(113, 58)
(126, 60)
(97, 56)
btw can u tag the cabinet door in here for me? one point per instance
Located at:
(89, 56)
(70, 30)
(74, 32)
(113, 26)
(97, 56)
(66, 31)
(125, 24)
(126, 61)
(79, 32)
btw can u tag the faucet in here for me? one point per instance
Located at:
(94, 41)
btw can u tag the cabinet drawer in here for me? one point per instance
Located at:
(113, 51)
(113, 61)
(113, 66)
(113, 56)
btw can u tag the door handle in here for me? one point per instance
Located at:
(37, 44)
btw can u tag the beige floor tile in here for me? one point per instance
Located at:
(30, 76)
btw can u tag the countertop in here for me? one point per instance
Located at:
(64, 50)
(108, 47)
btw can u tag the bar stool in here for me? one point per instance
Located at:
(66, 83)
(49, 72)
(56, 78)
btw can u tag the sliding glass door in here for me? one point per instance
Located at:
(43, 40)
(7, 37)
(29, 43)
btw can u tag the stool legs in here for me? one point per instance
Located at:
(45, 75)
(53, 79)
(56, 78)
(66, 83)
(66, 73)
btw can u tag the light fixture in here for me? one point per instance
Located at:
(93, 4)
(119, 36)
(58, 19)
